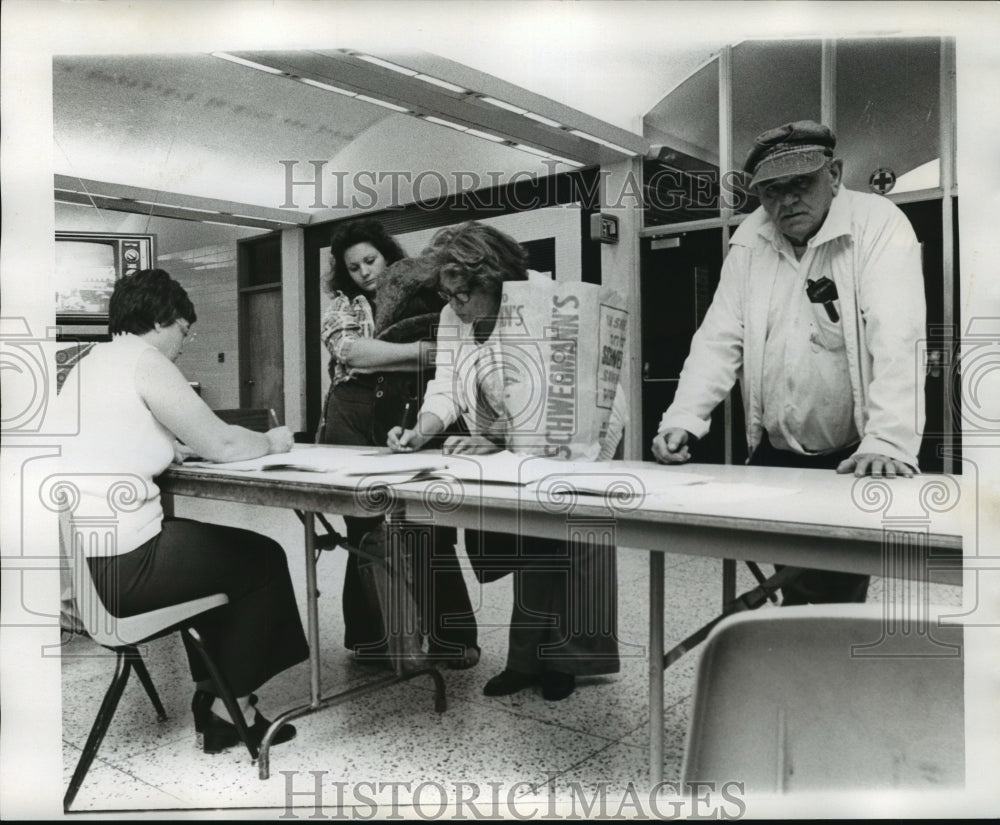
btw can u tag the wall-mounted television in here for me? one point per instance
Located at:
(86, 267)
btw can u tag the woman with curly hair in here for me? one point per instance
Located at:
(563, 622)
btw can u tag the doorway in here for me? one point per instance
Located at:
(262, 373)
(678, 276)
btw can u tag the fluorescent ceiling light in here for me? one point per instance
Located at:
(602, 142)
(531, 149)
(567, 161)
(328, 87)
(385, 64)
(442, 122)
(234, 59)
(503, 104)
(486, 135)
(555, 124)
(444, 84)
(223, 223)
(259, 218)
(190, 208)
(547, 155)
(90, 194)
(177, 206)
(384, 103)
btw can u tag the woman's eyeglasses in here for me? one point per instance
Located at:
(186, 331)
(460, 298)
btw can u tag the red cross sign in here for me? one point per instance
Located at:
(882, 180)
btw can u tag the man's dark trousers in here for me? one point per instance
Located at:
(813, 586)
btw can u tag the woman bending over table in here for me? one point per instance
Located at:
(555, 582)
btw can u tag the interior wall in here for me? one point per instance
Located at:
(202, 258)
(403, 160)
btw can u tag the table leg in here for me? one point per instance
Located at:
(317, 702)
(312, 608)
(728, 581)
(655, 668)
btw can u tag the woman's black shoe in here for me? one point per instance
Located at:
(556, 685)
(201, 708)
(218, 734)
(462, 661)
(509, 681)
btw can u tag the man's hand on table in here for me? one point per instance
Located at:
(875, 465)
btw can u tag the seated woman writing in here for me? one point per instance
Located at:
(553, 580)
(134, 404)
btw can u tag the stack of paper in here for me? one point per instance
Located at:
(498, 468)
(304, 458)
(608, 479)
(409, 464)
(627, 486)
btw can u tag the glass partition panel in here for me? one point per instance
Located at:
(682, 184)
(888, 113)
(774, 82)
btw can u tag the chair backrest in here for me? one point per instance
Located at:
(258, 420)
(103, 626)
(100, 624)
(826, 698)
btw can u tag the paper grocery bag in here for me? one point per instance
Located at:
(562, 346)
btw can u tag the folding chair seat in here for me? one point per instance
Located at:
(123, 635)
(836, 697)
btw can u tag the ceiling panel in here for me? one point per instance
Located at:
(195, 125)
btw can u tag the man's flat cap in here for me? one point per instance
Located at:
(793, 149)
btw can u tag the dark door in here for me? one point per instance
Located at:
(679, 275)
(262, 355)
(941, 444)
(261, 342)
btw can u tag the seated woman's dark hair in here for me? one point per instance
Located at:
(146, 298)
(483, 256)
(346, 235)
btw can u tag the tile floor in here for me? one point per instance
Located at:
(518, 748)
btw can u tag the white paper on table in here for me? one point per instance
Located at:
(601, 478)
(720, 492)
(368, 464)
(305, 458)
(264, 462)
(504, 467)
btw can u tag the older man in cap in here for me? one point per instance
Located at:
(818, 312)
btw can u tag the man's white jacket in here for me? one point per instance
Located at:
(874, 260)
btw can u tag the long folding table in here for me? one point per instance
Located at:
(910, 529)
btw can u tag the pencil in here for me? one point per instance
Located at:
(274, 418)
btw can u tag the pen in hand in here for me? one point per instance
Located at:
(280, 437)
(405, 419)
(405, 423)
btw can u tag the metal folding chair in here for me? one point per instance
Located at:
(123, 635)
